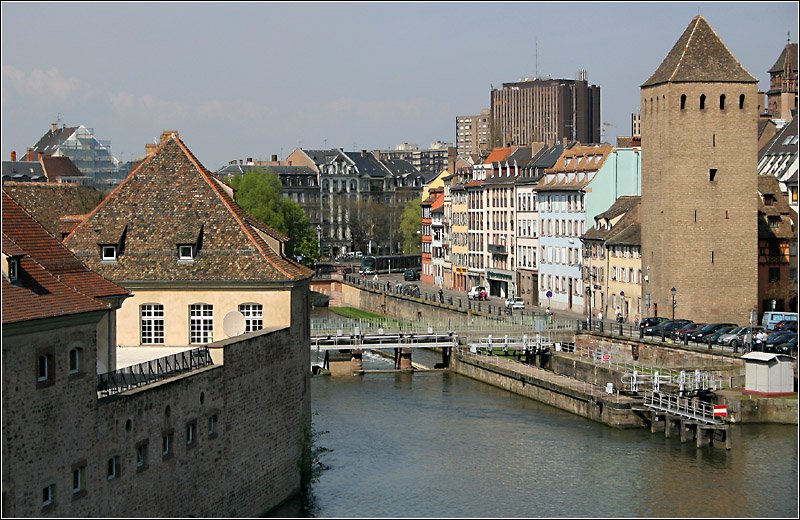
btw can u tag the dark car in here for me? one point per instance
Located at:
(786, 325)
(666, 326)
(787, 347)
(651, 321)
(699, 335)
(777, 338)
(410, 275)
(679, 334)
(714, 336)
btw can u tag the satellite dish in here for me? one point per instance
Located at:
(233, 324)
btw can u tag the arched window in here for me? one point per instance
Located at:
(741, 101)
(702, 101)
(75, 360)
(722, 102)
(683, 101)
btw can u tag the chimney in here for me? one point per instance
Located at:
(41, 156)
(274, 158)
(249, 160)
(53, 127)
(13, 156)
(29, 154)
(290, 162)
(452, 155)
(363, 153)
(149, 148)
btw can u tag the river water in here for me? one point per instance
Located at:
(436, 444)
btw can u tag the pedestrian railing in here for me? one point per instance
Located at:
(688, 407)
(152, 371)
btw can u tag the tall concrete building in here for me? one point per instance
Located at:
(472, 133)
(699, 205)
(545, 110)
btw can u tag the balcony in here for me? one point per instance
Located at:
(497, 249)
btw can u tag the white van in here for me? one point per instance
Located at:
(771, 318)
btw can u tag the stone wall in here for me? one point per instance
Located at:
(250, 464)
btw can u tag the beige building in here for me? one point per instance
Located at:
(699, 203)
(200, 268)
(472, 133)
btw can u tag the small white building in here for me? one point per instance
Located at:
(768, 374)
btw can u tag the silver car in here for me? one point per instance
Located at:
(736, 337)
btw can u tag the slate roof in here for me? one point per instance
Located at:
(400, 167)
(170, 198)
(367, 165)
(791, 48)
(699, 55)
(23, 170)
(50, 141)
(52, 281)
(776, 144)
(50, 201)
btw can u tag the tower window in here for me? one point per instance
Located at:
(741, 101)
(683, 101)
(712, 174)
(702, 102)
(722, 102)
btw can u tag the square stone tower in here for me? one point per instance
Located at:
(699, 207)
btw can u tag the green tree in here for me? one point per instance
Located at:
(259, 193)
(410, 226)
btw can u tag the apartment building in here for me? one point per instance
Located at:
(472, 133)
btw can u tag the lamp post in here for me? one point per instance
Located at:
(672, 292)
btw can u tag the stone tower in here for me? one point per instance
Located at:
(699, 189)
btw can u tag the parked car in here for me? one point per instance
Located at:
(777, 338)
(714, 336)
(649, 322)
(787, 347)
(736, 337)
(699, 335)
(786, 325)
(667, 326)
(515, 302)
(478, 293)
(410, 275)
(679, 334)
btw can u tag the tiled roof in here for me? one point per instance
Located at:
(699, 55)
(791, 48)
(499, 154)
(171, 196)
(787, 229)
(58, 167)
(626, 231)
(48, 202)
(52, 281)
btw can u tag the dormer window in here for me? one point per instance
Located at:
(108, 253)
(13, 269)
(186, 252)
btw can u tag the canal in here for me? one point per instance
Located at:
(437, 444)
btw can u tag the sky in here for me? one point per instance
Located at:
(240, 80)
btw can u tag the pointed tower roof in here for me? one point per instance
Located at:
(171, 199)
(699, 55)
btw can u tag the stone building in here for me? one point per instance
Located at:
(777, 249)
(699, 121)
(782, 93)
(74, 447)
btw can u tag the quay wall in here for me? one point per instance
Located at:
(579, 403)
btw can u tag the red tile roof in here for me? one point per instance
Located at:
(499, 154)
(52, 281)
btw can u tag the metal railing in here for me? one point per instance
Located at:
(148, 372)
(687, 407)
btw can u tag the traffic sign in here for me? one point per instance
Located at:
(720, 410)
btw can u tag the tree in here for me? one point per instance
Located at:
(410, 226)
(258, 192)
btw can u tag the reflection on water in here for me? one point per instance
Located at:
(441, 445)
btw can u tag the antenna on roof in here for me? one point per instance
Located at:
(536, 75)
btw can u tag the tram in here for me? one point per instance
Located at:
(383, 264)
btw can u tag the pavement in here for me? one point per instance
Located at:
(127, 356)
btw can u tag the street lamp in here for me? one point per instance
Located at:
(672, 292)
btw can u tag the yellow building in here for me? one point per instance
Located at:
(199, 267)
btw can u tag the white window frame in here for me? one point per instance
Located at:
(78, 485)
(112, 468)
(48, 492)
(201, 323)
(152, 316)
(213, 420)
(182, 252)
(108, 258)
(75, 360)
(40, 376)
(141, 455)
(13, 269)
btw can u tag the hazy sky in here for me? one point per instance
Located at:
(242, 80)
